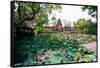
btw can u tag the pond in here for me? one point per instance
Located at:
(54, 48)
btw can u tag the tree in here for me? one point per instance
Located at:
(82, 25)
(34, 11)
(26, 11)
(53, 20)
(92, 10)
(82, 22)
(86, 26)
(42, 16)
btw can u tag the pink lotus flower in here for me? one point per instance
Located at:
(43, 58)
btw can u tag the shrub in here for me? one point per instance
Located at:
(86, 26)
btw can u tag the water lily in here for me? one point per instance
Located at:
(43, 58)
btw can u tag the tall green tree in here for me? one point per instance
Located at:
(34, 11)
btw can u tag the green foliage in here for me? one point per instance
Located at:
(57, 47)
(82, 25)
(84, 55)
(61, 48)
(38, 29)
(53, 18)
(86, 26)
(53, 21)
(25, 11)
(82, 22)
(40, 19)
(34, 12)
(91, 10)
(92, 28)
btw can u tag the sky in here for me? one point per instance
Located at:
(71, 13)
